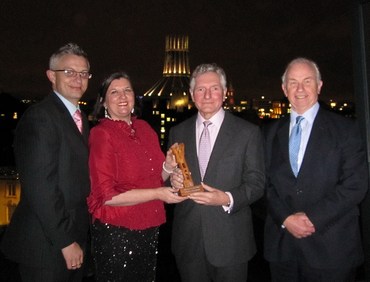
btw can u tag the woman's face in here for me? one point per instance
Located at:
(120, 99)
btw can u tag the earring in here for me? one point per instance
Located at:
(132, 111)
(106, 115)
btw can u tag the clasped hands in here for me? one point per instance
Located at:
(299, 225)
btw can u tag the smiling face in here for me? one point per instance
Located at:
(120, 99)
(302, 86)
(71, 88)
(208, 94)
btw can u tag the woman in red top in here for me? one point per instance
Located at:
(127, 171)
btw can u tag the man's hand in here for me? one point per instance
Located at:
(212, 197)
(299, 225)
(73, 255)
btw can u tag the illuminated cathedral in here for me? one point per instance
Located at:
(171, 92)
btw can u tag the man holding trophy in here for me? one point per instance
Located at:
(223, 174)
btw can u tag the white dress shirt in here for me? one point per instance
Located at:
(71, 107)
(306, 124)
(213, 129)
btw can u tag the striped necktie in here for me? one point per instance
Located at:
(78, 119)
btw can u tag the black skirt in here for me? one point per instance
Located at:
(121, 254)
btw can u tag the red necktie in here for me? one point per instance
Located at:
(78, 119)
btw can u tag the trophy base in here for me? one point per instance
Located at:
(184, 192)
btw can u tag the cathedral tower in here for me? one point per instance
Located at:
(171, 92)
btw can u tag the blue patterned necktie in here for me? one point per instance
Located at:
(294, 144)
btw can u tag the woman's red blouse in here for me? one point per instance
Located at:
(122, 158)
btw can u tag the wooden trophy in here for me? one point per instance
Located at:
(189, 187)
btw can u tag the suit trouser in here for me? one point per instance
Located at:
(57, 274)
(200, 270)
(300, 271)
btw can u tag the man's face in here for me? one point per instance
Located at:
(301, 87)
(71, 88)
(208, 94)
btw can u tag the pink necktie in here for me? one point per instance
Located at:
(78, 119)
(204, 148)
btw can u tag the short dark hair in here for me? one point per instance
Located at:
(68, 49)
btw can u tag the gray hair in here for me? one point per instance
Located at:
(302, 60)
(68, 49)
(204, 68)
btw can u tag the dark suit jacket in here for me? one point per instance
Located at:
(331, 183)
(52, 161)
(236, 165)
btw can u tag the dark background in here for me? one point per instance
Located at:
(251, 40)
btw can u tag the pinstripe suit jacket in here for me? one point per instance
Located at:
(52, 161)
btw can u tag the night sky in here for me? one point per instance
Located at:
(251, 40)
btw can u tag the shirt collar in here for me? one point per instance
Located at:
(216, 119)
(309, 115)
(71, 107)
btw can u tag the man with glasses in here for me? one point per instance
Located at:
(48, 232)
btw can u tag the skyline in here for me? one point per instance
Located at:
(253, 41)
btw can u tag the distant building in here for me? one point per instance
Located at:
(270, 109)
(343, 107)
(168, 101)
(11, 110)
(171, 92)
(10, 192)
(230, 99)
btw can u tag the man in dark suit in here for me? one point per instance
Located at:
(212, 237)
(49, 229)
(312, 226)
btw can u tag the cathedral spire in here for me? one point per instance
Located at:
(172, 90)
(176, 60)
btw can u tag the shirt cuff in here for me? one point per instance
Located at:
(229, 207)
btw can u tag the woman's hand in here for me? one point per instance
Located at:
(170, 163)
(177, 179)
(169, 195)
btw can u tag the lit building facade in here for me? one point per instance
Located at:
(10, 192)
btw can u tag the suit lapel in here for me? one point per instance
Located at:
(278, 151)
(191, 151)
(85, 128)
(283, 138)
(224, 136)
(67, 119)
(318, 144)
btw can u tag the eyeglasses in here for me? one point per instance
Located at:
(73, 73)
